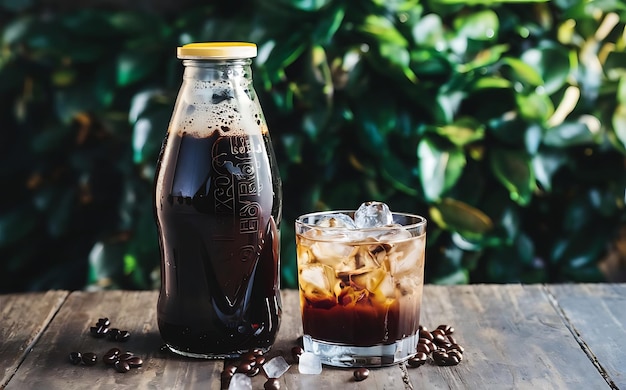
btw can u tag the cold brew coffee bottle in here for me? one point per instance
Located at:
(218, 209)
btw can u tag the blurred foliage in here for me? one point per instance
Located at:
(504, 123)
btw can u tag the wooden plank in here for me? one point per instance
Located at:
(24, 318)
(513, 338)
(48, 366)
(597, 314)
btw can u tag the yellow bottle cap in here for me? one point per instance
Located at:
(216, 50)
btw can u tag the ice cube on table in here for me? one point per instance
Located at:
(240, 381)
(276, 367)
(309, 363)
(373, 214)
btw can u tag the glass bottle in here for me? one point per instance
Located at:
(218, 204)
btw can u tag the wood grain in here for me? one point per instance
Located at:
(24, 318)
(48, 366)
(515, 336)
(597, 314)
(513, 339)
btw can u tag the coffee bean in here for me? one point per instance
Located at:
(248, 357)
(122, 366)
(126, 355)
(455, 353)
(113, 351)
(99, 331)
(258, 352)
(244, 367)
(296, 352)
(272, 384)
(103, 322)
(134, 361)
(253, 371)
(458, 347)
(361, 374)
(231, 368)
(418, 360)
(424, 348)
(76, 357)
(451, 339)
(89, 358)
(123, 336)
(260, 360)
(110, 359)
(447, 329)
(425, 334)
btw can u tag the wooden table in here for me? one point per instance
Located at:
(515, 337)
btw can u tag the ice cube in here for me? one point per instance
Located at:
(331, 253)
(240, 381)
(406, 257)
(409, 284)
(276, 367)
(358, 262)
(373, 214)
(338, 220)
(317, 283)
(309, 363)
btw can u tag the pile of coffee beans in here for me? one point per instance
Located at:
(250, 364)
(102, 329)
(440, 345)
(122, 361)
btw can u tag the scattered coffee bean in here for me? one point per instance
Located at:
(272, 384)
(76, 357)
(99, 331)
(231, 368)
(89, 358)
(122, 366)
(425, 334)
(103, 322)
(418, 360)
(296, 352)
(361, 374)
(253, 371)
(260, 360)
(244, 367)
(446, 328)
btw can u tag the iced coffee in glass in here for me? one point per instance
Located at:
(360, 276)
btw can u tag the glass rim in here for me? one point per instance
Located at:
(299, 220)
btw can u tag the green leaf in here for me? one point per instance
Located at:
(535, 106)
(523, 71)
(545, 164)
(568, 134)
(481, 25)
(513, 170)
(383, 30)
(132, 66)
(428, 31)
(552, 65)
(619, 122)
(458, 216)
(400, 174)
(439, 169)
(329, 25)
(463, 131)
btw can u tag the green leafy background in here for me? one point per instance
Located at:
(504, 123)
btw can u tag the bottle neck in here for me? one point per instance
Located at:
(217, 69)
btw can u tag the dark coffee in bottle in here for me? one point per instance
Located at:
(218, 210)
